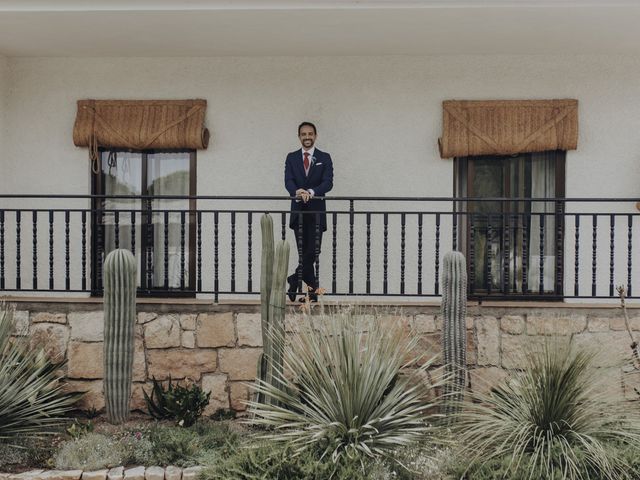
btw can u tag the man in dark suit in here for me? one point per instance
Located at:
(308, 173)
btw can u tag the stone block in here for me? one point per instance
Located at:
(598, 324)
(61, 475)
(613, 347)
(29, 475)
(154, 473)
(249, 327)
(116, 473)
(21, 322)
(180, 363)
(93, 398)
(139, 362)
(556, 324)
(87, 326)
(608, 384)
(424, 324)
(483, 379)
(135, 473)
(96, 475)
(488, 335)
(188, 321)
(137, 397)
(188, 339)
(163, 332)
(85, 360)
(217, 385)
(172, 473)
(215, 330)
(512, 324)
(239, 395)
(48, 317)
(468, 321)
(146, 317)
(239, 363)
(631, 383)
(514, 349)
(430, 344)
(191, 473)
(52, 337)
(617, 322)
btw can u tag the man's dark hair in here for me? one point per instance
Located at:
(307, 124)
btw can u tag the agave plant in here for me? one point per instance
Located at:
(32, 403)
(549, 421)
(347, 393)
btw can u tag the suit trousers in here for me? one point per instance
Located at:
(308, 242)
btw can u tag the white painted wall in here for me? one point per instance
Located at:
(379, 117)
(3, 110)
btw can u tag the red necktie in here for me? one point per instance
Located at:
(306, 162)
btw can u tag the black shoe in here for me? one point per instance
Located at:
(292, 290)
(313, 297)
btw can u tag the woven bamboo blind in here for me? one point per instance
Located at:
(507, 127)
(141, 124)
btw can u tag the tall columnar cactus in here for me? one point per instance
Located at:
(273, 278)
(454, 333)
(119, 280)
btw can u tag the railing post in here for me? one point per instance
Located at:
(351, 221)
(34, 228)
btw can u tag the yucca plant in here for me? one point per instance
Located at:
(549, 420)
(32, 402)
(346, 394)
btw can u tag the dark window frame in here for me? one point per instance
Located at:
(97, 228)
(465, 165)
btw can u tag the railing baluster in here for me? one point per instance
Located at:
(67, 253)
(283, 225)
(334, 254)
(472, 253)
(149, 252)
(436, 285)
(612, 234)
(403, 220)
(249, 247)
(51, 277)
(316, 255)
(576, 280)
(98, 224)
(182, 244)
(2, 281)
(351, 220)
(116, 220)
(385, 258)
(83, 217)
(18, 220)
(506, 249)
(488, 257)
(133, 232)
(216, 259)
(34, 229)
(299, 226)
(559, 224)
(165, 248)
(542, 252)
(368, 262)
(199, 250)
(525, 255)
(420, 219)
(629, 249)
(594, 249)
(454, 239)
(233, 251)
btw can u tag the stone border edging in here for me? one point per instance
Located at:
(117, 473)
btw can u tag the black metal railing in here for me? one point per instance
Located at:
(548, 248)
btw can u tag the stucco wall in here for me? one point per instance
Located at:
(379, 117)
(3, 112)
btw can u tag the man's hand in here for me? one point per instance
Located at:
(303, 195)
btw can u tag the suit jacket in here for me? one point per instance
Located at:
(320, 180)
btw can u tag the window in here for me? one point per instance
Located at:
(163, 242)
(513, 248)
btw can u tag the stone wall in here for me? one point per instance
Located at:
(218, 346)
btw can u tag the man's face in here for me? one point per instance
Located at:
(307, 137)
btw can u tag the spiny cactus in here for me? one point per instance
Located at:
(120, 277)
(272, 294)
(454, 333)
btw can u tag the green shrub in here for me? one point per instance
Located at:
(269, 463)
(32, 403)
(347, 394)
(182, 404)
(174, 446)
(92, 451)
(137, 449)
(548, 422)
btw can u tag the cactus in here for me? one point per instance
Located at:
(273, 278)
(454, 333)
(120, 279)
